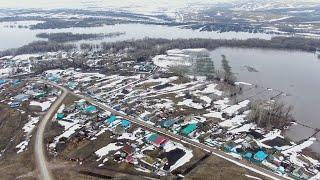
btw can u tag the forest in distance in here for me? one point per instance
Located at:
(70, 37)
(149, 46)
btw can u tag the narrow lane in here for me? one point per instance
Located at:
(39, 149)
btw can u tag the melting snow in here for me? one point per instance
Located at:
(28, 128)
(190, 103)
(105, 150)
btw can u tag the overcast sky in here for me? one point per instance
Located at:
(104, 3)
(167, 4)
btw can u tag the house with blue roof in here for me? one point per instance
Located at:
(125, 123)
(60, 116)
(21, 97)
(168, 123)
(260, 156)
(91, 109)
(248, 155)
(2, 81)
(111, 119)
(54, 78)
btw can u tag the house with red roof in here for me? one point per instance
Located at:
(157, 140)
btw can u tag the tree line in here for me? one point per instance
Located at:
(144, 49)
(68, 36)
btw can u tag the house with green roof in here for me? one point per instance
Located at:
(189, 129)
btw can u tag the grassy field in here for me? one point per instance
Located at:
(217, 168)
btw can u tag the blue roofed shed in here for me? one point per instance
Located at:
(125, 123)
(260, 156)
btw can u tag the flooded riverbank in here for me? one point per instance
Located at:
(293, 72)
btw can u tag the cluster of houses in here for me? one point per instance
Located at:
(82, 120)
(15, 92)
(242, 144)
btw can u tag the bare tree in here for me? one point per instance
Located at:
(228, 75)
(271, 115)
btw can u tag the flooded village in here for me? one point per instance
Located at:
(150, 119)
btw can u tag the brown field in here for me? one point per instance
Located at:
(216, 168)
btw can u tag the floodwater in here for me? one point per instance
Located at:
(16, 37)
(295, 73)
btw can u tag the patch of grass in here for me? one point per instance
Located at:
(86, 149)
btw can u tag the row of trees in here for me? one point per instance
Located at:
(203, 65)
(38, 47)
